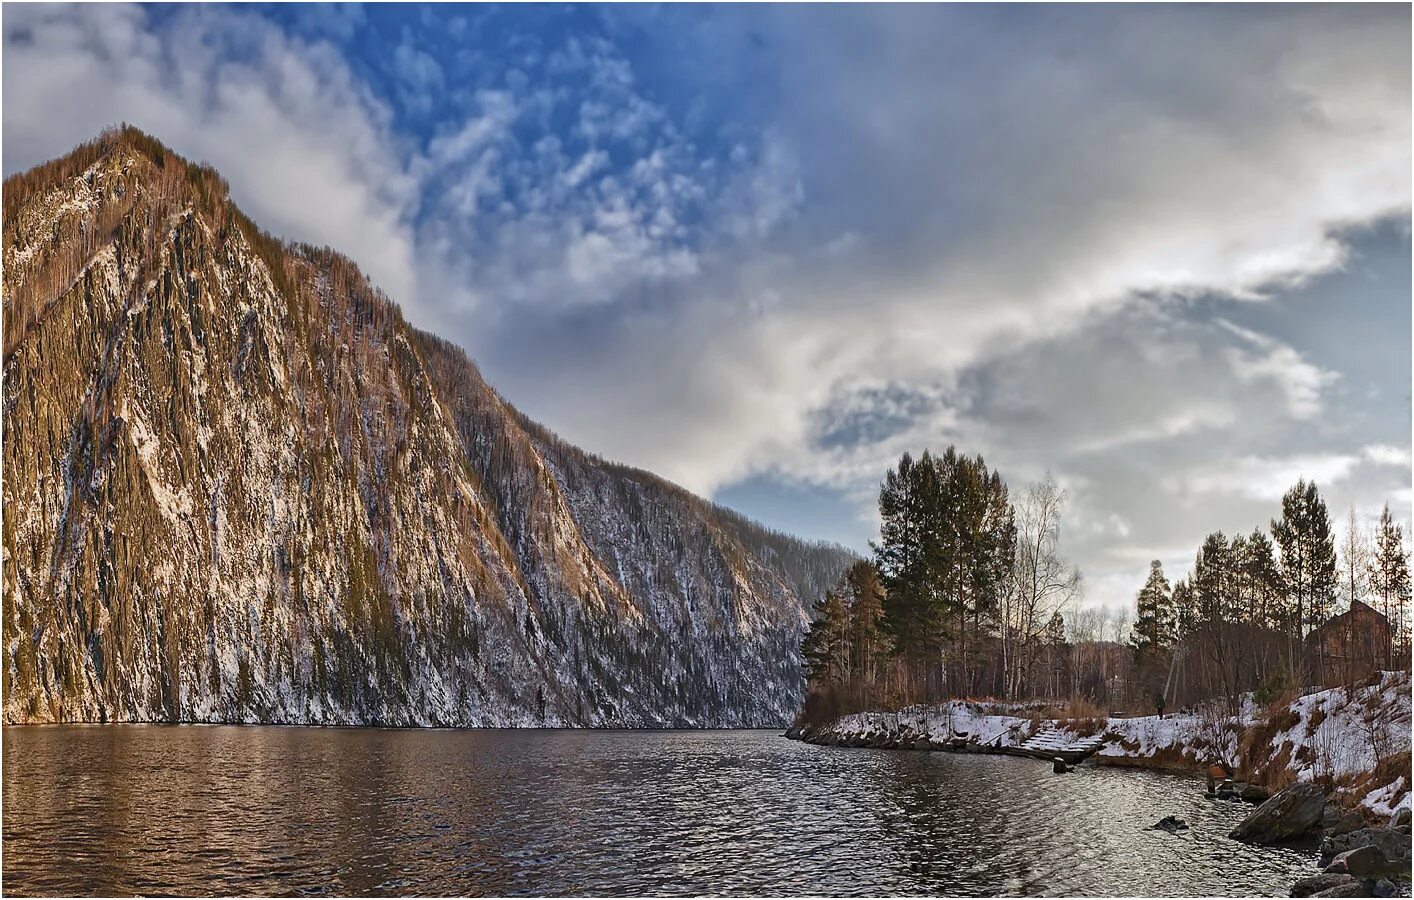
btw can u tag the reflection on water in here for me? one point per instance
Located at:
(268, 810)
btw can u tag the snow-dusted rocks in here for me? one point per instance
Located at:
(1060, 744)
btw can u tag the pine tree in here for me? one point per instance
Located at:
(1389, 581)
(866, 609)
(1185, 611)
(1308, 567)
(1153, 625)
(1265, 600)
(945, 557)
(1264, 607)
(1216, 589)
(1213, 581)
(825, 646)
(901, 555)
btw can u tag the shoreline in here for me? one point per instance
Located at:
(1354, 740)
(899, 742)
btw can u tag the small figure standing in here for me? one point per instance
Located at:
(1159, 703)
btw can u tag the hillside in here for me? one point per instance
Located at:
(239, 486)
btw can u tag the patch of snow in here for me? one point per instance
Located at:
(175, 506)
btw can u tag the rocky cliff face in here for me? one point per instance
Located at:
(238, 486)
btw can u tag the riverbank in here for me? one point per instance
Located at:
(1355, 739)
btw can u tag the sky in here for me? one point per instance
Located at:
(1160, 252)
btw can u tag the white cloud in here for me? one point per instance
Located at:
(929, 224)
(1387, 455)
(307, 150)
(613, 207)
(1001, 197)
(1265, 359)
(1263, 478)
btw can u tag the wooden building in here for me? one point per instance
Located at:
(1349, 646)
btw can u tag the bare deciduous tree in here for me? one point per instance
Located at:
(1042, 582)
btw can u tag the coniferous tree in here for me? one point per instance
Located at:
(1152, 635)
(1265, 599)
(866, 610)
(945, 554)
(1239, 599)
(1153, 624)
(1308, 566)
(987, 538)
(1264, 609)
(1215, 588)
(1185, 610)
(902, 555)
(1389, 581)
(825, 647)
(1212, 581)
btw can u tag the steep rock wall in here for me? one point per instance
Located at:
(240, 487)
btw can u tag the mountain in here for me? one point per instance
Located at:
(240, 487)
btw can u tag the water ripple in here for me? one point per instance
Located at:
(310, 811)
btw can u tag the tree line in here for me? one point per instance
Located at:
(966, 593)
(1246, 616)
(962, 595)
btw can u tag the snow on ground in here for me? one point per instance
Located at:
(1343, 734)
(1191, 736)
(1388, 800)
(953, 718)
(1348, 730)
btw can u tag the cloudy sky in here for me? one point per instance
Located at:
(1162, 252)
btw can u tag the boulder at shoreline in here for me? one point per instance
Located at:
(1293, 812)
(1314, 884)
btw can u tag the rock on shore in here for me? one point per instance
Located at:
(1366, 862)
(1293, 812)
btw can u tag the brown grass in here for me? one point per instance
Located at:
(1392, 767)
(1351, 789)
(1083, 708)
(1088, 726)
(1318, 715)
(1165, 759)
(1280, 718)
(1259, 765)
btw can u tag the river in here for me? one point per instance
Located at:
(123, 809)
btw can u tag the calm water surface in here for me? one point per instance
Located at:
(267, 810)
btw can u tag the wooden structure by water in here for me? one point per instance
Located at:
(1050, 744)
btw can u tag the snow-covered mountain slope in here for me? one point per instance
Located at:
(238, 486)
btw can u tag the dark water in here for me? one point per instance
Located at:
(202, 810)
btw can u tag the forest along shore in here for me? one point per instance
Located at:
(1354, 740)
